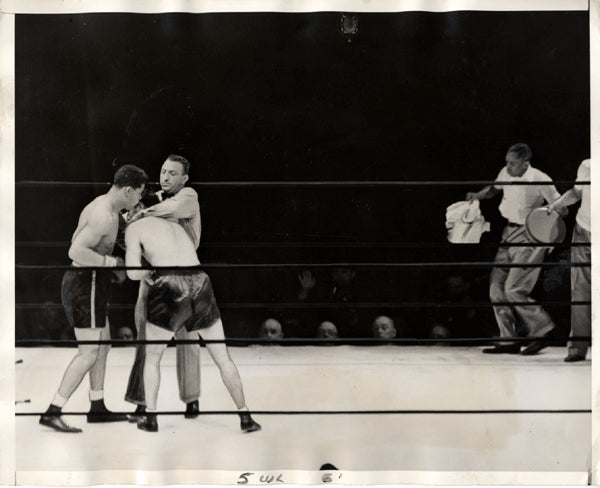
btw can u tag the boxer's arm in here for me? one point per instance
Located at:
(182, 205)
(551, 195)
(82, 247)
(568, 198)
(133, 255)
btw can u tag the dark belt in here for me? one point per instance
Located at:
(512, 224)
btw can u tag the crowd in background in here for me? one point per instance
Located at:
(340, 303)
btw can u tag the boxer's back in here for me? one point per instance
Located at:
(164, 243)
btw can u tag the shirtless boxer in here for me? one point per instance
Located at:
(177, 298)
(175, 202)
(85, 295)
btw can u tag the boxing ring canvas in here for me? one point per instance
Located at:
(317, 135)
(424, 441)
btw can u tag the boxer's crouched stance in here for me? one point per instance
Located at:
(177, 298)
(85, 294)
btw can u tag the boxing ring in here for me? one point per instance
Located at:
(400, 412)
(413, 409)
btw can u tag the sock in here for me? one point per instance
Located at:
(59, 400)
(98, 406)
(244, 414)
(96, 395)
(54, 410)
(140, 409)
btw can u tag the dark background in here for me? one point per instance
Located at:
(288, 97)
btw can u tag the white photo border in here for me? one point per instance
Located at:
(8, 9)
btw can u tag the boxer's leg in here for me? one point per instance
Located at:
(229, 372)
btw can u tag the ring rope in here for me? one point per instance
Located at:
(342, 412)
(301, 341)
(312, 184)
(336, 305)
(385, 245)
(463, 264)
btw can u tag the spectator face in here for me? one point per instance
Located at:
(383, 328)
(271, 329)
(125, 333)
(327, 330)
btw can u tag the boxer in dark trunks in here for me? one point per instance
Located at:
(175, 202)
(177, 298)
(85, 294)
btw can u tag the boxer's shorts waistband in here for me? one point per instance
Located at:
(176, 272)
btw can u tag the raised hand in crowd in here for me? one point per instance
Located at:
(307, 283)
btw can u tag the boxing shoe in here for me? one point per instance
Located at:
(148, 423)
(503, 349)
(99, 414)
(247, 424)
(108, 416)
(135, 416)
(57, 423)
(192, 410)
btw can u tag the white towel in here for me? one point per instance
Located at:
(465, 223)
